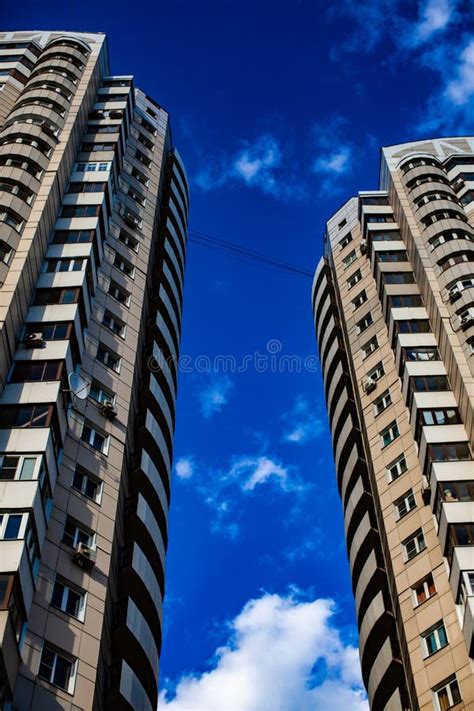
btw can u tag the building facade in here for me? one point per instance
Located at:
(393, 302)
(93, 213)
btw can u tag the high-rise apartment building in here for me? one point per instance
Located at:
(93, 211)
(393, 301)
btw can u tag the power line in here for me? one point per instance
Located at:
(244, 254)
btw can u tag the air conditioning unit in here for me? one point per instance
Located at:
(466, 321)
(34, 340)
(108, 410)
(369, 385)
(84, 556)
(454, 294)
(363, 247)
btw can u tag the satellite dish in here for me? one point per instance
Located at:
(79, 387)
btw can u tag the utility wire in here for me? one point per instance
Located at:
(244, 254)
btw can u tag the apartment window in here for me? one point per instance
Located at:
(372, 219)
(382, 402)
(135, 195)
(377, 372)
(50, 331)
(359, 300)
(459, 534)
(100, 394)
(439, 416)
(447, 694)
(95, 439)
(405, 504)
(45, 297)
(397, 468)
(396, 256)
(108, 358)
(11, 600)
(460, 285)
(429, 383)
(438, 215)
(91, 167)
(36, 370)
(124, 266)
(412, 326)
(448, 237)
(57, 669)
(87, 187)
(350, 259)
(389, 434)
(74, 533)
(80, 211)
(114, 324)
(414, 544)
(456, 490)
(454, 259)
(364, 323)
(345, 240)
(398, 278)
(10, 186)
(370, 347)
(354, 279)
(118, 293)
(141, 158)
(404, 300)
(25, 416)
(12, 526)
(73, 236)
(87, 484)
(64, 265)
(423, 590)
(421, 353)
(23, 164)
(21, 467)
(138, 175)
(68, 600)
(147, 125)
(342, 224)
(449, 452)
(11, 219)
(434, 639)
(5, 252)
(97, 147)
(385, 236)
(128, 241)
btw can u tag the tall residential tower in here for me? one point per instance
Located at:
(93, 212)
(393, 301)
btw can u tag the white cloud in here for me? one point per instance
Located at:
(253, 471)
(460, 90)
(302, 423)
(281, 653)
(185, 467)
(214, 396)
(257, 164)
(331, 164)
(434, 16)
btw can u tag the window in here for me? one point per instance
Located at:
(389, 434)
(87, 187)
(420, 353)
(108, 358)
(10, 186)
(80, 211)
(23, 164)
(141, 158)
(438, 215)
(124, 266)
(359, 300)
(75, 533)
(64, 265)
(5, 252)
(50, 331)
(412, 326)
(448, 236)
(404, 300)
(342, 224)
(148, 126)
(45, 297)
(459, 534)
(429, 383)
(374, 200)
(135, 195)
(57, 669)
(405, 504)
(138, 175)
(11, 219)
(398, 278)
(382, 402)
(397, 468)
(449, 452)
(91, 167)
(456, 490)
(26, 416)
(414, 544)
(100, 394)
(12, 526)
(36, 370)
(21, 467)
(67, 600)
(372, 219)
(128, 240)
(354, 279)
(95, 439)
(370, 347)
(87, 484)
(73, 236)
(385, 236)
(345, 240)
(377, 372)
(423, 590)
(97, 147)
(447, 694)
(118, 293)
(114, 324)
(434, 639)
(131, 218)
(396, 256)
(460, 285)
(350, 259)
(439, 416)
(364, 323)
(454, 259)
(11, 600)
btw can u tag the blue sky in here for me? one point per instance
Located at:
(279, 109)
